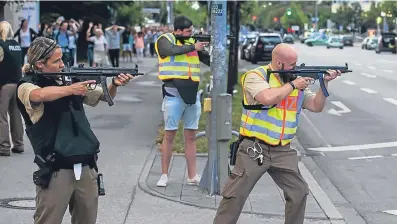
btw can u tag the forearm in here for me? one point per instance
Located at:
(273, 96)
(50, 93)
(319, 100)
(167, 49)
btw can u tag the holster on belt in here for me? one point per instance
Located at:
(233, 150)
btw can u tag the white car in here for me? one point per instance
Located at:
(335, 42)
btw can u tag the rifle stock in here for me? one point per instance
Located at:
(72, 75)
(315, 72)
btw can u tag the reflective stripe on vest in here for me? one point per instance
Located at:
(276, 124)
(179, 66)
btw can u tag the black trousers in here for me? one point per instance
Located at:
(114, 55)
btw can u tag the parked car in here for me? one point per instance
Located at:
(262, 47)
(317, 41)
(364, 43)
(288, 38)
(386, 43)
(335, 42)
(347, 40)
(372, 43)
(247, 40)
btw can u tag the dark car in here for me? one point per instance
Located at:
(247, 40)
(288, 38)
(347, 40)
(262, 47)
(386, 43)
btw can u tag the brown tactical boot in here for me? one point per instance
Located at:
(5, 152)
(17, 150)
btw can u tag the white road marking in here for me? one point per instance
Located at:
(368, 75)
(358, 64)
(368, 90)
(318, 193)
(388, 71)
(391, 100)
(348, 82)
(344, 109)
(365, 157)
(391, 212)
(394, 154)
(372, 67)
(387, 61)
(355, 147)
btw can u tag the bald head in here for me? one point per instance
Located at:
(284, 54)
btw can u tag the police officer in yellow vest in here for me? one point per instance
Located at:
(179, 69)
(269, 120)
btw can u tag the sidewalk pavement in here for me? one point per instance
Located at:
(257, 204)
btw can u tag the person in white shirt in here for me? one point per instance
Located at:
(100, 44)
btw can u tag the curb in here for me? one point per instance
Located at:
(145, 188)
(341, 213)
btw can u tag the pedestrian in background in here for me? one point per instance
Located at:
(10, 73)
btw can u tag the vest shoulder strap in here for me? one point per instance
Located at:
(170, 37)
(266, 76)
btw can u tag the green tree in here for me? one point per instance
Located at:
(390, 8)
(343, 15)
(324, 13)
(369, 18)
(297, 17)
(198, 16)
(129, 14)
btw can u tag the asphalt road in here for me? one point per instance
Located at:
(353, 139)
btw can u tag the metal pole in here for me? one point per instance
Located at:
(233, 48)
(211, 180)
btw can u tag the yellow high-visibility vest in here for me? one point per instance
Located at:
(276, 125)
(183, 66)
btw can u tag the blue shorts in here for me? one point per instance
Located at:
(175, 109)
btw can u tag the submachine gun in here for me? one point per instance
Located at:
(315, 72)
(72, 75)
(201, 37)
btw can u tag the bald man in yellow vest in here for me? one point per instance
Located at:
(272, 105)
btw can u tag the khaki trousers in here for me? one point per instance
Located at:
(8, 104)
(81, 196)
(282, 165)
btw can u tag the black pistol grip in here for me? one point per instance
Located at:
(106, 93)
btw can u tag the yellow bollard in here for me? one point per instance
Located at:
(207, 105)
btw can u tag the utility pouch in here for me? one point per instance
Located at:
(188, 89)
(42, 177)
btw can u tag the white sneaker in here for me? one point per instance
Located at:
(195, 180)
(163, 181)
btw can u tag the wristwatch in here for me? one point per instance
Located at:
(292, 84)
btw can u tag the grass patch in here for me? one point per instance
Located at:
(202, 143)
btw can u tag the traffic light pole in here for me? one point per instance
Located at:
(234, 21)
(217, 170)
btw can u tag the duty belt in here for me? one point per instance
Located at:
(259, 141)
